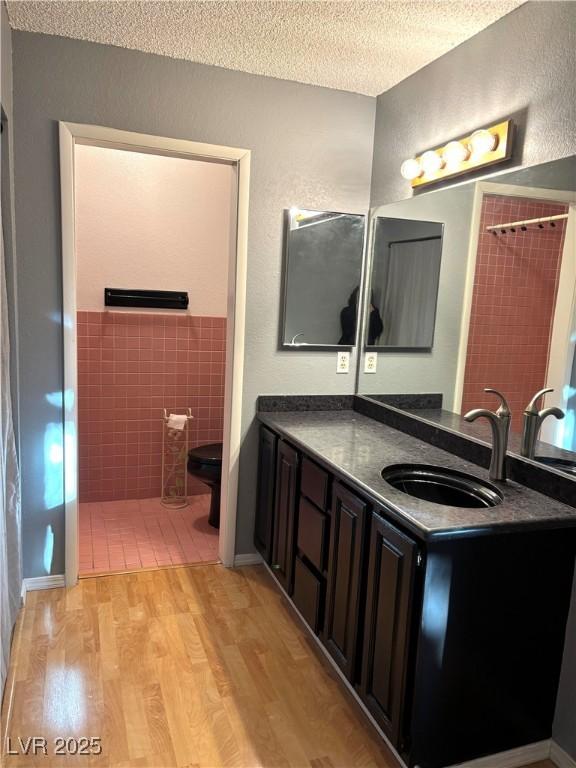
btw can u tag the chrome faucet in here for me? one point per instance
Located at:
(533, 419)
(500, 424)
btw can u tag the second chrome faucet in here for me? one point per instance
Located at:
(533, 419)
(500, 424)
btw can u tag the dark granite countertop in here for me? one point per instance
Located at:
(358, 448)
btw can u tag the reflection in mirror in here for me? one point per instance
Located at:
(506, 314)
(404, 283)
(322, 272)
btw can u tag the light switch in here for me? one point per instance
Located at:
(370, 362)
(343, 362)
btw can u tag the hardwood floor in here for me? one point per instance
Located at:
(200, 667)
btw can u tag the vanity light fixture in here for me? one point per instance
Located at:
(411, 169)
(454, 153)
(432, 162)
(485, 146)
(482, 141)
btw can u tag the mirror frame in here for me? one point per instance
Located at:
(286, 346)
(370, 261)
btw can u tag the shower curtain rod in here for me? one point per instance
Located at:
(525, 223)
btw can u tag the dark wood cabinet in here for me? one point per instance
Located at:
(344, 595)
(391, 572)
(285, 500)
(436, 635)
(264, 524)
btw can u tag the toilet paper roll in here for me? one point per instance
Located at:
(176, 421)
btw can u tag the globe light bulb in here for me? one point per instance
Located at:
(431, 162)
(455, 153)
(483, 141)
(411, 169)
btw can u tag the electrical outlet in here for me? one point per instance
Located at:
(343, 362)
(370, 362)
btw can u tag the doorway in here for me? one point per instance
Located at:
(141, 366)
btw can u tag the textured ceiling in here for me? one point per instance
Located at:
(366, 47)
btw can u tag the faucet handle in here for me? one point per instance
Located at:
(531, 407)
(503, 408)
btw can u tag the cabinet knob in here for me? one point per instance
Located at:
(276, 567)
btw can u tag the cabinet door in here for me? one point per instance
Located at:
(344, 599)
(263, 528)
(391, 567)
(285, 515)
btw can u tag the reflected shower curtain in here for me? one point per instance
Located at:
(409, 301)
(10, 538)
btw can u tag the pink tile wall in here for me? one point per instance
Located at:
(130, 367)
(512, 305)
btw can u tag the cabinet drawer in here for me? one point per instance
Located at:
(312, 533)
(314, 483)
(307, 594)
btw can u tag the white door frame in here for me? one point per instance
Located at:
(489, 188)
(70, 135)
(562, 340)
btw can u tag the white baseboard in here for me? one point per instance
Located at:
(560, 758)
(251, 559)
(42, 582)
(513, 758)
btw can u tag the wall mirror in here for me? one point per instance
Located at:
(506, 309)
(323, 254)
(403, 290)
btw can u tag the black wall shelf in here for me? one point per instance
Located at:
(124, 297)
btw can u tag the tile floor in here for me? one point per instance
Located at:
(127, 535)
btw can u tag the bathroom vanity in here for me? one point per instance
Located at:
(442, 598)
(446, 622)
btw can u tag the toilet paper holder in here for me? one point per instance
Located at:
(174, 460)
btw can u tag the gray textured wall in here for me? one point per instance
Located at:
(311, 147)
(521, 66)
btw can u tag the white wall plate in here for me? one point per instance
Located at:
(343, 362)
(370, 362)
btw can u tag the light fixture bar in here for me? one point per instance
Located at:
(526, 222)
(483, 147)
